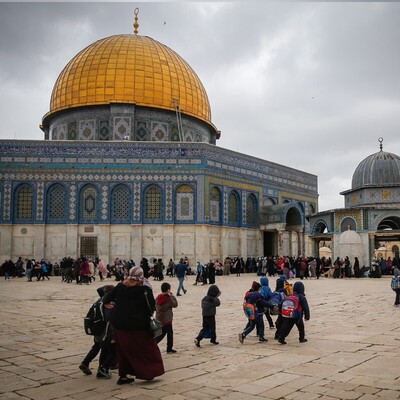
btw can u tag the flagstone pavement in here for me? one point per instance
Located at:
(353, 347)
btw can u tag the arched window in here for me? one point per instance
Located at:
(23, 200)
(184, 203)
(320, 227)
(233, 208)
(348, 223)
(153, 204)
(389, 223)
(88, 207)
(120, 205)
(251, 211)
(56, 204)
(215, 205)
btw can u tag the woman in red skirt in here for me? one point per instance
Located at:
(137, 351)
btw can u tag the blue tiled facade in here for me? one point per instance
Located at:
(136, 166)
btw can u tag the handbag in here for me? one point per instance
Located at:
(155, 325)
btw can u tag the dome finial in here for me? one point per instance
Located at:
(136, 23)
(380, 140)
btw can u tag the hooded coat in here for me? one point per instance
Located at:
(210, 302)
(298, 288)
(265, 289)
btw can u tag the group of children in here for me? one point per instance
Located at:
(287, 302)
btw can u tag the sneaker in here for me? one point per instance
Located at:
(171, 351)
(178, 294)
(123, 380)
(184, 291)
(197, 342)
(281, 341)
(303, 340)
(262, 339)
(214, 342)
(102, 373)
(241, 337)
(85, 369)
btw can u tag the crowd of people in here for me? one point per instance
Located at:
(84, 270)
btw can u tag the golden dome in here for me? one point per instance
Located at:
(130, 69)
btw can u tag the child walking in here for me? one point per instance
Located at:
(267, 294)
(254, 297)
(302, 309)
(165, 302)
(209, 305)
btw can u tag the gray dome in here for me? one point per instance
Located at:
(379, 169)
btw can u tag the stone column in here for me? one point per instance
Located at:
(285, 243)
(371, 252)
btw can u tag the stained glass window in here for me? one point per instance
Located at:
(56, 204)
(153, 205)
(24, 203)
(233, 208)
(88, 204)
(215, 200)
(184, 203)
(120, 204)
(251, 210)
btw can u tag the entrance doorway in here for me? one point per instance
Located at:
(269, 243)
(89, 247)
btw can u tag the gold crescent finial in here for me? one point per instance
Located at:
(136, 23)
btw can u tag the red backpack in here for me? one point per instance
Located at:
(291, 307)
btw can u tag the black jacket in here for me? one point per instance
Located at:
(210, 302)
(131, 311)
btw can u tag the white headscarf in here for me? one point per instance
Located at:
(136, 273)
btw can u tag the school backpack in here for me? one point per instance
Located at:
(94, 323)
(291, 307)
(395, 283)
(249, 310)
(275, 300)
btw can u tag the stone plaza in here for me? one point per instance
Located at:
(352, 350)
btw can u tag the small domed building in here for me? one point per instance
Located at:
(371, 217)
(129, 168)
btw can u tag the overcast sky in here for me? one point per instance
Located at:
(308, 85)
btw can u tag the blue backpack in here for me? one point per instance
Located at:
(395, 283)
(275, 300)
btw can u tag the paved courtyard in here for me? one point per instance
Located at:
(353, 350)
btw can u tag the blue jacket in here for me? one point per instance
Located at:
(265, 289)
(181, 270)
